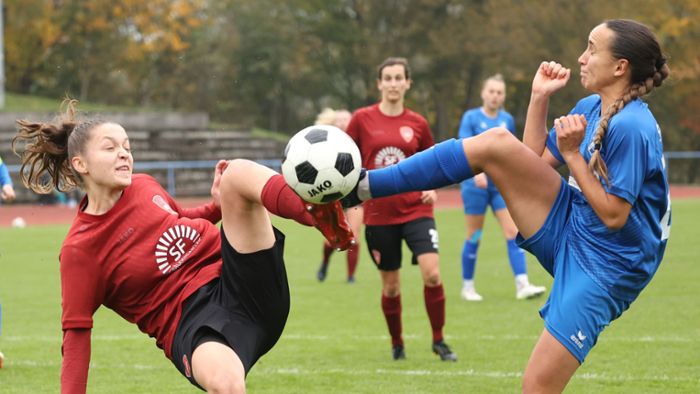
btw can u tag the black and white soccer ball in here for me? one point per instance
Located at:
(321, 164)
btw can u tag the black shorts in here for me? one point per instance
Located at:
(246, 308)
(384, 242)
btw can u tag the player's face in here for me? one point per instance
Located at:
(393, 83)
(493, 94)
(598, 66)
(107, 161)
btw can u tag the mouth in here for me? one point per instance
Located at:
(124, 169)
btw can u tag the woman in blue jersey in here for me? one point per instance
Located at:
(7, 192)
(479, 192)
(601, 235)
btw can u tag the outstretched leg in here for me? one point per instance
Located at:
(528, 184)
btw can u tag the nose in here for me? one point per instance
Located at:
(583, 58)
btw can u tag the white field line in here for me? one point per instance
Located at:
(510, 375)
(303, 337)
(467, 373)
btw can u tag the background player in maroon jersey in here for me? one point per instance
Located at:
(387, 133)
(214, 300)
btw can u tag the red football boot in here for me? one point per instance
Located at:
(330, 220)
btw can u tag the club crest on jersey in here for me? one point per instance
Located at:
(174, 246)
(162, 204)
(388, 156)
(406, 133)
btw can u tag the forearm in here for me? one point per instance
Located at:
(535, 133)
(76, 361)
(605, 205)
(207, 211)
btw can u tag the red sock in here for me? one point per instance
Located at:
(435, 305)
(392, 312)
(281, 200)
(327, 252)
(353, 255)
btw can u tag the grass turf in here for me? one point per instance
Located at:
(336, 338)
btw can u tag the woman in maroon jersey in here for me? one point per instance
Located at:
(214, 300)
(387, 133)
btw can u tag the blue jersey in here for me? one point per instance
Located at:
(475, 121)
(622, 261)
(4, 175)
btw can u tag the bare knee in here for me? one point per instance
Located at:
(430, 269)
(391, 290)
(541, 384)
(224, 383)
(494, 143)
(234, 174)
(391, 287)
(432, 278)
(499, 139)
(245, 179)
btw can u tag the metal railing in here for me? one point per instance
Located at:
(171, 166)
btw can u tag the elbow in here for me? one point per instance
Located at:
(615, 221)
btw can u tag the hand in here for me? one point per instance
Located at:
(352, 199)
(481, 181)
(7, 193)
(550, 77)
(215, 191)
(428, 197)
(570, 132)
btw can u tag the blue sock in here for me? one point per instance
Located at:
(517, 258)
(469, 259)
(443, 164)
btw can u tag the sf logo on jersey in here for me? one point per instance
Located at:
(388, 156)
(174, 246)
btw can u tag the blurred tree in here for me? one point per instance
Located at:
(275, 64)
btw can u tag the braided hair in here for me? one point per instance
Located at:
(636, 43)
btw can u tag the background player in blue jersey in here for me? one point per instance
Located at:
(7, 192)
(480, 192)
(603, 234)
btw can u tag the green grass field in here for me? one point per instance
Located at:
(336, 339)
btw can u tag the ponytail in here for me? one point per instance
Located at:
(48, 148)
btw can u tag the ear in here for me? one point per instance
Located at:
(621, 67)
(79, 165)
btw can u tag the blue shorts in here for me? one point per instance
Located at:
(476, 199)
(577, 309)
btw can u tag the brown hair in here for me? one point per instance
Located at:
(392, 61)
(648, 69)
(48, 148)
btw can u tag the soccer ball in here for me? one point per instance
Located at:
(321, 164)
(19, 222)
